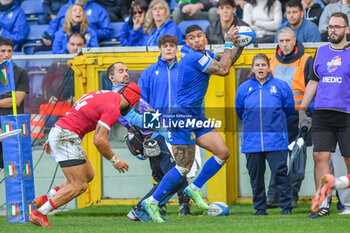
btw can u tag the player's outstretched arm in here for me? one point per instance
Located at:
(230, 56)
(102, 145)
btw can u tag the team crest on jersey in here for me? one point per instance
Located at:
(27, 171)
(273, 90)
(88, 12)
(13, 210)
(10, 15)
(157, 72)
(30, 208)
(10, 171)
(87, 36)
(333, 64)
(193, 136)
(24, 129)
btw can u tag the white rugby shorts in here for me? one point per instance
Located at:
(65, 145)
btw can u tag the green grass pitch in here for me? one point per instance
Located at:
(104, 219)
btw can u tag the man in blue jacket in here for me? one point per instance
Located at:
(158, 85)
(97, 16)
(13, 24)
(305, 30)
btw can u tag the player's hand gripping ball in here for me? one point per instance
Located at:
(217, 209)
(246, 36)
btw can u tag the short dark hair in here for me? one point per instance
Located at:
(226, 2)
(192, 28)
(167, 38)
(6, 41)
(110, 70)
(294, 3)
(341, 15)
(77, 34)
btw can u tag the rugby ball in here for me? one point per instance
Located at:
(246, 36)
(217, 209)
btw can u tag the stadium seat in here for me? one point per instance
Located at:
(32, 9)
(113, 40)
(34, 38)
(184, 24)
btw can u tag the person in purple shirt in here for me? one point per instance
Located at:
(305, 30)
(330, 86)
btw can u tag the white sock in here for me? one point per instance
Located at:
(46, 208)
(153, 201)
(325, 203)
(195, 188)
(51, 193)
(341, 182)
(220, 161)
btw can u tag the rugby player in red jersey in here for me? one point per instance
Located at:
(97, 111)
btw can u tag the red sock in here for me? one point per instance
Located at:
(348, 176)
(56, 188)
(53, 205)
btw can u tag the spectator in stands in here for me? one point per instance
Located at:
(226, 10)
(305, 30)
(97, 16)
(264, 16)
(75, 21)
(312, 10)
(65, 92)
(324, 3)
(132, 29)
(51, 8)
(125, 8)
(21, 85)
(13, 24)
(341, 6)
(112, 7)
(196, 11)
(156, 24)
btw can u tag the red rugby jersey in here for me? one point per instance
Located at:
(95, 107)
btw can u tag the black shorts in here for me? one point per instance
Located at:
(72, 162)
(325, 138)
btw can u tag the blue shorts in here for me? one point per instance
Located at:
(188, 135)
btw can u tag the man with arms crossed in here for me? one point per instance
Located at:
(330, 83)
(195, 69)
(97, 111)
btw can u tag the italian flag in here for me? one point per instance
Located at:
(24, 129)
(10, 169)
(7, 128)
(30, 208)
(3, 76)
(13, 209)
(27, 169)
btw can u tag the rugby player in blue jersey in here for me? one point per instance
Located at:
(195, 69)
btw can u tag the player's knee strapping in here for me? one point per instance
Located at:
(182, 170)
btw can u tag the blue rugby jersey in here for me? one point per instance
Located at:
(192, 81)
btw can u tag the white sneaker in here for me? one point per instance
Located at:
(345, 211)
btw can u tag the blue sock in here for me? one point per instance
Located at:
(210, 168)
(169, 181)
